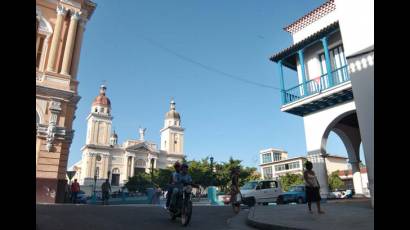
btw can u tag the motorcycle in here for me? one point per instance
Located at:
(183, 206)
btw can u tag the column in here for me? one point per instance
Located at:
(132, 166)
(319, 167)
(328, 65)
(303, 72)
(357, 178)
(282, 83)
(77, 48)
(61, 11)
(69, 45)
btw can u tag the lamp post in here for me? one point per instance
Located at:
(152, 170)
(212, 169)
(97, 158)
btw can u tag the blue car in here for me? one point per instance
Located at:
(295, 194)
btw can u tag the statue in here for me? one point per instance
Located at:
(142, 133)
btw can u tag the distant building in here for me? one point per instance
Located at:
(104, 158)
(275, 163)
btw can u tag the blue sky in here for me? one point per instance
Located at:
(148, 51)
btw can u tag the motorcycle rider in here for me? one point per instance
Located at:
(173, 181)
(184, 178)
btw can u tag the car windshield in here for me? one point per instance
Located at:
(296, 189)
(249, 185)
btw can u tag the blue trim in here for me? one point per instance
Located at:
(282, 83)
(302, 67)
(327, 59)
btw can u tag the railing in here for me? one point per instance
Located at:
(316, 85)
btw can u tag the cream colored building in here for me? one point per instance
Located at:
(118, 162)
(275, 163)
(60, 26)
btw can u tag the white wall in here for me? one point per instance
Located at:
(315, 26)
(317, 123)
(356, 20)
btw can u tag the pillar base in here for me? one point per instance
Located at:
(49, 190)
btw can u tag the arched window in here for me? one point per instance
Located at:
(44, 32)
(115, 171)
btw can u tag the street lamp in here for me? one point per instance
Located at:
(97, 158)
(212, 169)
(152, 170)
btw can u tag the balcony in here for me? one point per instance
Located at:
(316, 86)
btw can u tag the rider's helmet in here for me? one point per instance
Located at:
(184, 165)
(177, 165)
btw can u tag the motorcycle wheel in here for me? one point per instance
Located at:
(186, 213)
(173, 216)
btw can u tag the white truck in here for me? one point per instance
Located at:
(261, 191)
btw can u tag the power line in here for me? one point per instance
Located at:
(207, 67)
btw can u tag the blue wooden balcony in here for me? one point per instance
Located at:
(316, 86)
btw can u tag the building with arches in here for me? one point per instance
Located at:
(323, 96)
(117, 161)
(60, 25)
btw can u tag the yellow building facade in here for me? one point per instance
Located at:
(60, 27)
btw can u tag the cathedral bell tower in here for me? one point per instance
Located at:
(99, 121)
(172, 135)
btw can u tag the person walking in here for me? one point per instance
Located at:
(106, 189)
(75, 188)
(312, 187)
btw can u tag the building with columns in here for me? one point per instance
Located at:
(104, 158)
(323, 96)
(60, 27)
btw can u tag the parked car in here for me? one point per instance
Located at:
(295, 194)
(261, 192)
(81, 197)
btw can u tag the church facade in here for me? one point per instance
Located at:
(104, 158)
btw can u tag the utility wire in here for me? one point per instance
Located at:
(207, 67)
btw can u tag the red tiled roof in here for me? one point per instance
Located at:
(311, 17)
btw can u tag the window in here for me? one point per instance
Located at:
(266, 158)
(267, 172)
(337, 61)
(140, 163)
(97, 172)
(96, 110)
(277, 157)
(101, 110)
(39, 45)
(294, 165)
(280, 167)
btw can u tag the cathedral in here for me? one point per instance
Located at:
(103, 158)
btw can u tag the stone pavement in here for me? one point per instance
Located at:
(351, 215)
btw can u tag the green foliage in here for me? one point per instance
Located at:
(335, 182)
(289, 180)
(139, 182)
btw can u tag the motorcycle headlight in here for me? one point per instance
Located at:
(188, 189)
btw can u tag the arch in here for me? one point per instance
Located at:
(115, 171)
(331, 127)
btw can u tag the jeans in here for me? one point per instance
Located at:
(174, 196)
(74, 197)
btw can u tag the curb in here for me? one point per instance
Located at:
(265, 226)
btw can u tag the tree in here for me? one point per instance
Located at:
(335, 182)
(139, 182)
(289, 180)
(162, 177)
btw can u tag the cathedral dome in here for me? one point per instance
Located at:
(102, 99)
(172, 114)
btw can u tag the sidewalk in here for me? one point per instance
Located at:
(357, 215)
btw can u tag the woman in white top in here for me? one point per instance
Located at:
(312, 187)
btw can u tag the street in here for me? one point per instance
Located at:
(124, 217)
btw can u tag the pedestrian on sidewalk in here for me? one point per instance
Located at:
(106, 189)
(312, 187)
(75, 188)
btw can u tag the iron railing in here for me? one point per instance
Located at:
(316, 85)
